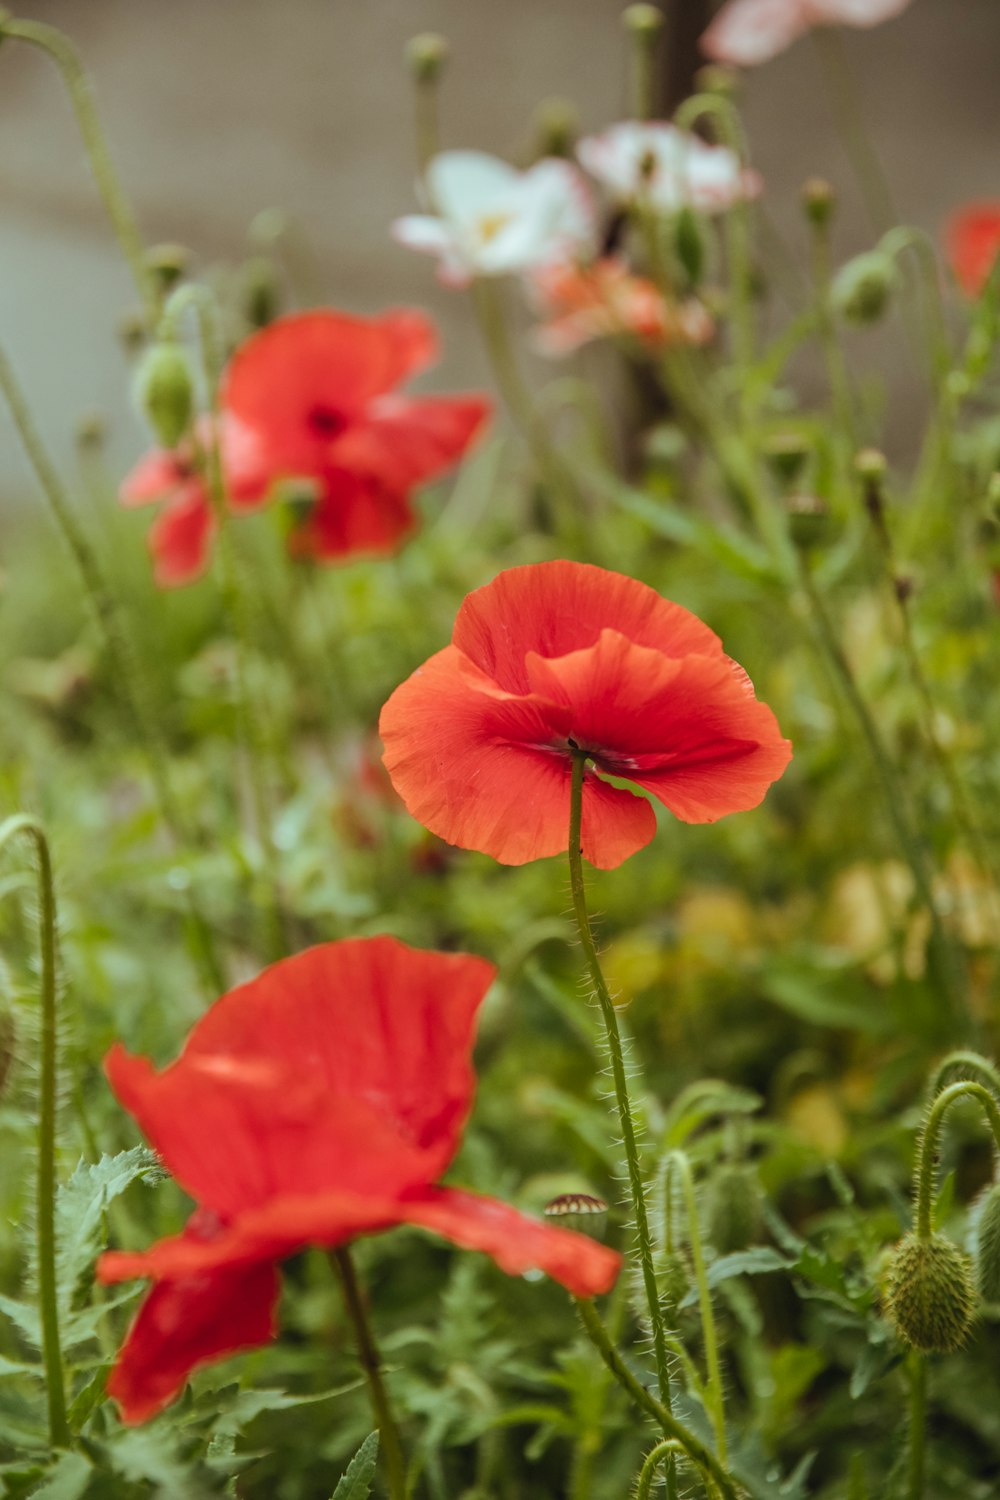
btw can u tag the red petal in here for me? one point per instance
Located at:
(181, 536)
(403, 443)
(689, 731)
(353, 514)
(183, 1324)
(973, 240)
(156, 476)
(516, 1242)
(489, 770)
(346, 1068)
(553, 608)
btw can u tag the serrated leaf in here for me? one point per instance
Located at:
(356, 1481)
(89, 1397)
(67, 1481)
(744, 1263)
(80, 1208)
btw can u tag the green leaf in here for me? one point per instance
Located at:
(67, 1481)
(744, 1263)
(80, 1208)
(356, 1481)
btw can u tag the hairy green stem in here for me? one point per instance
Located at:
(371, 1364)
(969, 1062)
(128, 677)
(702, 1457)
(668, 1449)
(636, 1187)
(918, 1425)
(45, 1195)
(60, 49)
(714, 1393)
(925, 1171)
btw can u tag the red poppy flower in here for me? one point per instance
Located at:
(318, 390)
(605, 299)
(561, 655)
(973, 242)
(180, 538)
(319, 1102)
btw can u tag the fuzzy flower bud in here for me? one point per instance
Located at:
(862, 288)
(930, 1297)
(427, 55)
(733, 1209)
(988, 1249)
(819, 201)
(163, 392)
(643, 20)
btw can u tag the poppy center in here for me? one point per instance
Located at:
(325, 421)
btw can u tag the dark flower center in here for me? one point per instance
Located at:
(325, 421)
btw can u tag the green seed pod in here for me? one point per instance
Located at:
(168, 264)
(260, 293)
(644, 20)
(862, 288)
(785, 454)
(733, 1209)
(427, 55)
(930, 1297)
(809, 521)
(988, 1246)
(163, 392)
(556, 128)
(819, 201)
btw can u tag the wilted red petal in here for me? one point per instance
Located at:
(347, 1067)
(403, 442)
(180, 537)
(183, 1324)
(973, 243)
(516, 1242)
(553, 608)
(689, 731)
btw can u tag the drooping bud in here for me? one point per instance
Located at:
(930, 1297)
(427, 55)
(733, 1209)
(163, 392)
(819, 201)
(988, 1246)
(862, 288)
(168, 264)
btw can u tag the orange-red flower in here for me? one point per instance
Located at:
(318, 391)
(605, 299)
(973, 243)
(180, 539)
(560, 656)
(319, 1102)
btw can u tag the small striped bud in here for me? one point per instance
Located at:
(930, 1297)
(580, 1211)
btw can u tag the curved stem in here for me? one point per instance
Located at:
(128, 677)
(371, 1364)
(45, 1194)
(666, 1449)
(695, 1449)
(918, 1425)
(708, 1330)
(925, 1172)
(606, 1004)
(60, 49)
(969, 1062)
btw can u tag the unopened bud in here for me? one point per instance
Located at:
(690, 245)
(168, 265)
(642, 20)
(260, 293)
(733, 1209)
(988, 1246)
(785, 454)
(809, 521)
(580, 1211)
(862, 288)
(427, 55)
(557, 126)
(163, 392)
(818, 200)
(716, 79)
(930, 1298)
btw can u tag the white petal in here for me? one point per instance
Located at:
(748, 32)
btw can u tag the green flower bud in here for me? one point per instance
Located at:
(163, 392)
(733, 1209)
(427, 55)
(930, 1297)
(862, 288)
(785, 454)
(643, 20)
(716, 79)
(988, 1247)
(168, 264)
(809, 521)
(819, 201)
(557, 126)
(260, 293)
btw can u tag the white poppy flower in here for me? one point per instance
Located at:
(666, 167)
(492, 220)
(747, 32)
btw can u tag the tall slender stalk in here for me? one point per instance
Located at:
(371, 1364)
(636, 1186)
(918, 1425)
(45, 1189)
(716, 1401)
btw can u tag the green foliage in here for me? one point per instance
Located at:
(356, 1482)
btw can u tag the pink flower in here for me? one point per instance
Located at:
(748, 32)
(666, 167)
(580, 303)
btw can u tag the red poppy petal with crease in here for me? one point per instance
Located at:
(489, 770)
(353, 513)
(553, 608)
(347, 1059)
(403, 443)
(688, 731)
(180, 538)
(517, 1243)
(973, 242)
(183, 1324)
(329, 361)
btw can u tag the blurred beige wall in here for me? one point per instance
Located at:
(216, 109)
